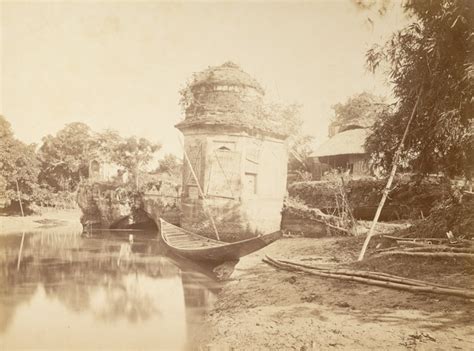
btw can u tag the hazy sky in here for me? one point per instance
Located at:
(120, 64)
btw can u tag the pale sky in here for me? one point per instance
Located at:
(120, 65)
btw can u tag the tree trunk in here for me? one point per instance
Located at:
(19, 198)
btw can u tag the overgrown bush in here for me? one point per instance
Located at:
(408, 199)
(453, 214)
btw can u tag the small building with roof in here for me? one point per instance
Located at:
(238, 154)
(344, 150)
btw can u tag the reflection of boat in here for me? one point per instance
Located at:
(202, 249)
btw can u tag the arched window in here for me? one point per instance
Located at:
(94, 169)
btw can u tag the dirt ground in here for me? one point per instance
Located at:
(49, 219)
(269, 309)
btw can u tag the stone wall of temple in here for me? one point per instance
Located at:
(243, 178)
(238, 153)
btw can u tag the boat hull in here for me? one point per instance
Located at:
(199, 248)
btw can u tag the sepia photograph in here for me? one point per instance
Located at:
(236, 175)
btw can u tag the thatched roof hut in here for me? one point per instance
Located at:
(344, 151)
(347, 142)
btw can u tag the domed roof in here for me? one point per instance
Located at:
(226, 74)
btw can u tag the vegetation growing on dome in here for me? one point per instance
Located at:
(226, 95)
(228, 73)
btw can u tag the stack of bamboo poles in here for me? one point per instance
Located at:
(371, 278)
(427, 247)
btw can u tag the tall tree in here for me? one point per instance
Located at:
(65, 157)
(170, 164)
(133, 154)
(104, 144)
(432, 55)
(18, 164)
(359, 111)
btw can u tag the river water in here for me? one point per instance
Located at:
(72, 291)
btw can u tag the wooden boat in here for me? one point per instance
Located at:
(202, 249)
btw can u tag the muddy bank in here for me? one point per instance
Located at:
(50, 219)
(265, 308)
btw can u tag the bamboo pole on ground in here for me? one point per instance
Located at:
(368, 274)
(427, 248)
(200, 189)
(377, 282)
(428, 254)
(386, 191)
(439, 249)
(413, 240)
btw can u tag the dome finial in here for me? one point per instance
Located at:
(230, 64)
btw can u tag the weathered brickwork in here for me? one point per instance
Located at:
(239, 159)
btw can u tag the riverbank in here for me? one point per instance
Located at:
(48, 219)
(269, 309)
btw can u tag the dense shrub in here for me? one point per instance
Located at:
(408, 199)
(451, 215)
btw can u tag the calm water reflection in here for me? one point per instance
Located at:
(79, 292)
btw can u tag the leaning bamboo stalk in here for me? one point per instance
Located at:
(386, 191)
(199, 189)
(368, 274)
(398, 286)
(428, 254)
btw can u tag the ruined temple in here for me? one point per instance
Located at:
(238, 153)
